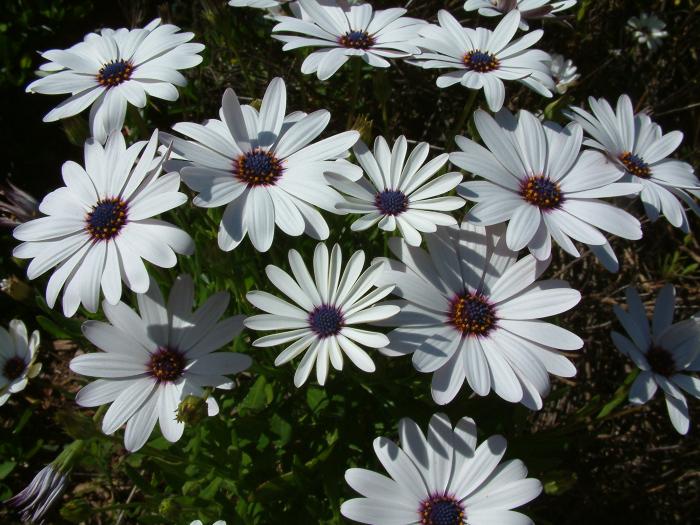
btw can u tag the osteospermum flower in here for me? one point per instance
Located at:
(17, 356)
(154, 360)
(538, 180)
(483, 59)
(322, 321)
(264, 168)
(649, 30)
(398, 192)
(471, 310)
(665, 353)
(563, 72)
(16, 206)
(640, 150)
(441, 478)
(199, 522)
(529, 9)
(100, 225)
(37, 498)
(358, 31)
(108, 70)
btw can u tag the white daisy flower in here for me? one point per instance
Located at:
(539, 181)
(357, 31)
(99, 226)
(219, 522)
(154, 360)
(17, 359)
(116, 67)
(36, 499)
(441, 478)
(257, 4)
(563, 72)
(483, 59)
(640, 149)
(665, 354)
(398, 192)
(529, 9)
(471, 310)
(321, 323)
(649, 30)
(264, 168)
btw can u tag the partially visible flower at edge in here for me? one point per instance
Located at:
(17, 355)
(563, 72)
(16, 206)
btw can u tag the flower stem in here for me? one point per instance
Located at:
(467, 112)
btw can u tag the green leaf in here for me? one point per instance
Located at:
(259, 396)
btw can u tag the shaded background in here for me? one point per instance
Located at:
(629, 467)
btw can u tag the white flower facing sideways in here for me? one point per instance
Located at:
(441, 478)
(529, 9)
(666, 353)
(322, 321)
(357, 31)
(470, 309)
(483, 59)
(564, 73)
(114, 68)
(219, 522)
(639, 148)
(264, 167)
(100, 227)
(17, 359)
(539, 181)
(155, 359)
(648, 29)
(399, 192)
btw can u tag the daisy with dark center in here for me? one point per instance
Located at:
(100, 227)
(483, 59)
(17, 359)
(667, 354)
(109, 70)
(322, 321)
(264, 167)
(400, 192)
(640, 150)
(441, 478)
(543, 186)
(528, 9)
(154, 360)
(470, 310)
(345, 32)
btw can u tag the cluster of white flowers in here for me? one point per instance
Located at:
(467, 308)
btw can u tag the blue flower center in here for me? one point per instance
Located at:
(480, 61)
(661, 361)
(166, 364)
(356, 40)
(326, 320)
(391, 202)
(442, 510)
(106, 219)
(13, 368)
(472, 314)
(258, 168)
(115, 72)
(542, 192)
(635, 165)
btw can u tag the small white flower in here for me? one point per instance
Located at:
(116, 67)
(264, 168)
(219, 522)
(398, 192)
(327, 307)
(640, 150)
(529, 9)
(37, 498)
(257, 4)
(441, 478)
(664, 354)
(17, 356)
(99, 226)
(648, 29)
(539, 181)
(154, 360)
(483, 59)
(358, 31)
(471, 310)
(563, 72)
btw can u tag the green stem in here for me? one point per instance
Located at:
(466, 113)
(355, 82)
